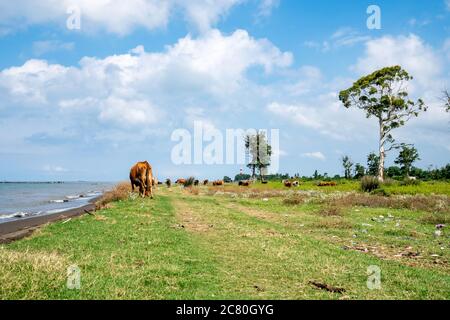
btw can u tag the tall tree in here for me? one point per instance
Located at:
(260, 152)
(373, 162)
(347, 164)
(383, 95)
(406, 157)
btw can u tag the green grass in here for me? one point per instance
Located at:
(424, 187)
(186, 246)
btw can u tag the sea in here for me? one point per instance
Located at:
(21, 200)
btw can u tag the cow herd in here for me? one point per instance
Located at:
(141, 176)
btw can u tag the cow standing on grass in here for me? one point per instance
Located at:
(141, 176)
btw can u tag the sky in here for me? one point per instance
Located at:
(85, 101)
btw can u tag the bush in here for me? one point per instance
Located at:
(410, 182)
(369, 183)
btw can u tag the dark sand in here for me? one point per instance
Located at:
(20, 228)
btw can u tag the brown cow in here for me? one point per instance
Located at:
(205, 182)
(180, 181)
(244, 183)
(327, 184)
(141, 176)
(218, 183)
(287, 183)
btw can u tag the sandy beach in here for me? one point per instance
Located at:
(18, 229)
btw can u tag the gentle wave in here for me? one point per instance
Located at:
(69, 198)
(20, 214)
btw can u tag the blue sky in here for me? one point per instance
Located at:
(86, 104)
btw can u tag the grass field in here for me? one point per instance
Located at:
(237, 243)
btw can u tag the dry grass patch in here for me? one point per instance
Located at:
(295, 200)
(431, 203)
(329, 210)
(121, 191)
(332, 223)
(436, 218)
(192, 190)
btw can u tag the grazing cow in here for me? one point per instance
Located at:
(141, 176)
(205, 182)
(264, 182)
(245, 183)
(295, 183)
(287, 183)
(196, 182)
(181, 181)
(218, 183)
(327, 184)
(168, 183)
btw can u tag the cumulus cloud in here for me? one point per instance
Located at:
(314, 155)
(116, 16)
(135, 89)
(323, 115)
(411, 52)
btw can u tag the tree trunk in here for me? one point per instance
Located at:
(381, 164)
(381, 154)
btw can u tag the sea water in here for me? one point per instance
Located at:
(19, 200)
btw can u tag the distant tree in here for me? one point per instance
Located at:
(260, 152)
(347, 164)
(393, 171)
(373, 162)
(227, 179)
(406, 157)
(316, 175)
(240, 177)
(383, 95)
(360, 171)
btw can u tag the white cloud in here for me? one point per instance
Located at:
(136, 88)
(117, 16)
(128, 112)
(310, 79)
(411, 52)
(266, 7)
(342, 37)
(323, 114)
(204, 14)
(314, 155)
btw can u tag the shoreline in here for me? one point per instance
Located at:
(18, 229)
